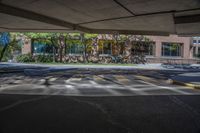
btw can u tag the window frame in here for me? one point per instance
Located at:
(179, 54)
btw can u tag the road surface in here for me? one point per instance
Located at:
(96, 102)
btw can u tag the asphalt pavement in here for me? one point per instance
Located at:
(127, 114)
(37, 99)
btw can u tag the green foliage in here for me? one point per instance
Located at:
(11, 48)
(89, 36)
(44, 58)
(25, 58)
(73, 41)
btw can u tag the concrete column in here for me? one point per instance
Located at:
(191, 52)
(158, 49)
(26, 48)
(186, 49)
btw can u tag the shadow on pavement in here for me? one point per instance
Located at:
(53, 114)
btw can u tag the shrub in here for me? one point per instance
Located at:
(25, 58)
(43, 58)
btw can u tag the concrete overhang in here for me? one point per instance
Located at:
(148, 17)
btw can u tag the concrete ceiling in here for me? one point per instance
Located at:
(150, 17)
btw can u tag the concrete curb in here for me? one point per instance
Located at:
(194, 86)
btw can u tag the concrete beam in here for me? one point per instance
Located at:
(9, 10)
(32, 30)
(187, 19)
(130, 32)
(120, 4)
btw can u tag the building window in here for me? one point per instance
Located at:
(75, 49)
(194, 41)
(194, 51)
(106, 49)
(40, 48)
(150, 49)
(198, 50)
(198, 41)
(171, 49)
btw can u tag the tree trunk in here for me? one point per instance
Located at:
(85, 48)
(61, 53)
(65, 46)
(3, 51)
(60, 50)
(54, 52)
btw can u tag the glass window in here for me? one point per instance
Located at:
(171, 49)
(40, 48)
(122, 48)
(194, 41)
(198, 50)
(150, 49)
(194, 51)
(75, 49)
(199, 41)
(105, 48)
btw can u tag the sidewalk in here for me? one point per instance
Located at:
(157, 66)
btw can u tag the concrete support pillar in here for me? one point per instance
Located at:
(26, 48)
(186, 49)
(191, 52)
(158, 49)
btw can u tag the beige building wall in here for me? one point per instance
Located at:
(26, 48)
(185, 41)
(186, 54)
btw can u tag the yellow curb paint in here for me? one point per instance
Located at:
(193, 86)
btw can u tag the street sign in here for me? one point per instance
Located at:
(4, 38)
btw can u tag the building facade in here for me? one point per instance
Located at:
(169, 49)
(161, 49)
(196, 47)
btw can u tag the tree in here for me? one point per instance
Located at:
(57, 40)
(140, 45)
(90, 44)
(9, 43)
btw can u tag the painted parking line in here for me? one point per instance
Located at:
(52, 79)
(121, 79)
(72, 80)
(109, 85)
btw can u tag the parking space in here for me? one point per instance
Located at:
(90, 85)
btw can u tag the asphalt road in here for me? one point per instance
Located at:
(127, 114)
(96, 102)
